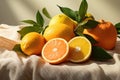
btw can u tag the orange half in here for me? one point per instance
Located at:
(80, 49)
(55, 50)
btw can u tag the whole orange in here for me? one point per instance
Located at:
(104, 33)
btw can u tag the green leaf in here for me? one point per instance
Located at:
(69, 12)
(45, 12)
(83, 9)
(79, 30)
(39, 19)
(78, 18)
(100, 54)
(118, 31)
(90, 24)
(30, 22)
(118, 27)
(118, 36)
(35, 27)
(28, 29)
(79, 34)
(17, 48)
(42, 32)
(85, 24)
(91, 39)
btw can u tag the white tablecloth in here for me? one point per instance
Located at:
(17, 67)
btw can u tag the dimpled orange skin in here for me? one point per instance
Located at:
(105, 34)
(32, 43)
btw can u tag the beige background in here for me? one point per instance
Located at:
(14, 11)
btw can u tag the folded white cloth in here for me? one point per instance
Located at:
(16, 67)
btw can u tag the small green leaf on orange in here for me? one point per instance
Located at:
(90, 24)
(117, 25)
(91, 39)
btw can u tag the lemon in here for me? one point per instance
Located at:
(32, 43)
(58, 30)
(80, 49)
(62, 18)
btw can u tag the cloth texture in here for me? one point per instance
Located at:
(14, 66)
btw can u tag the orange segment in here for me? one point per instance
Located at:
(80, 49)
(55, 50)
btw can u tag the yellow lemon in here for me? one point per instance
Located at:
(62, 18)
(32, 43)
(80, 49)
(58, 30)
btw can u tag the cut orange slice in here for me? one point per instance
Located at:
(55, 50)
(80, 49)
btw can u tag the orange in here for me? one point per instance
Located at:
(104, 33)
(32, 43)
(55, 51)
(62, 18)
(58, 30)
(80, 49)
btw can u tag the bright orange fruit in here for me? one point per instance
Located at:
(55, 51)
(104, 33)
(32, 43)
(80, 49)
(59, 30)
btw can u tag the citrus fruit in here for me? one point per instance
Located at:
(62, 18)
(55, 51)
(32, 43)
(80, 49)
(58, 30)
(104, 33)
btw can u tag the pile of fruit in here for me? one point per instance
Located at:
(72, 36)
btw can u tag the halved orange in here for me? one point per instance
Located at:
(55, 50)
(80, 49)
